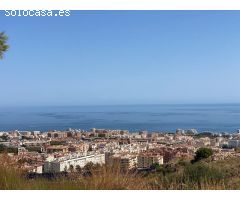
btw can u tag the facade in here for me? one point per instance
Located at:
(36, 169)
(202, 142)
(35, 133)
(72, 162)
(180, 131)
(192, 132)
(234, 143)
(25, 133)
(57, 134)
(146, 160)
(126, 162)
(57, 148)
(78, 148)
(214, 143)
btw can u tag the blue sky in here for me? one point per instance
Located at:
(122, 57)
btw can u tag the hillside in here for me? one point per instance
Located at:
(224, 174)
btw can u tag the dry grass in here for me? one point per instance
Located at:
(104, 178)
(112, 178)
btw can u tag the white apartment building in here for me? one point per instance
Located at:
(234, 143)
(71, 162)
(25, 133)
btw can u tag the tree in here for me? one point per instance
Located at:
(203, 153)
(4, 137)
(8, 149)
(71, 168)
(2, 148)
(155, 166)
(78, 169)
(89, 166)
(225, 146)
(3, 44)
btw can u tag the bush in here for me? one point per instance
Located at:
(203, 153)
(8, 149)
(155, 166)
(4, 137)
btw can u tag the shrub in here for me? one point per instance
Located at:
(202, 153)
(155, 166)
(8, 149)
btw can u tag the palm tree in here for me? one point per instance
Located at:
(3, 44)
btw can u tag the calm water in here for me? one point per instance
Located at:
(134, 118)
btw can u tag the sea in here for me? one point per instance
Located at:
(161, 118)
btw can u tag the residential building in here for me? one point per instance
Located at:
(146, 160)
(71, 162)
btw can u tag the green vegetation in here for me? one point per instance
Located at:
(78, 169)
(225, 146)
(190, 176)
(197, 173)
(34, 148)
(224, 174)
(4, 137)
(156, 166)
(203, 153)
(8, 149)
(3, 44)
(11, 177)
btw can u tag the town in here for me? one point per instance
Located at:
(71, 150)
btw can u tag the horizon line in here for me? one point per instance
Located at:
(130, 104)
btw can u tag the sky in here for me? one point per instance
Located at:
(121, 57)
